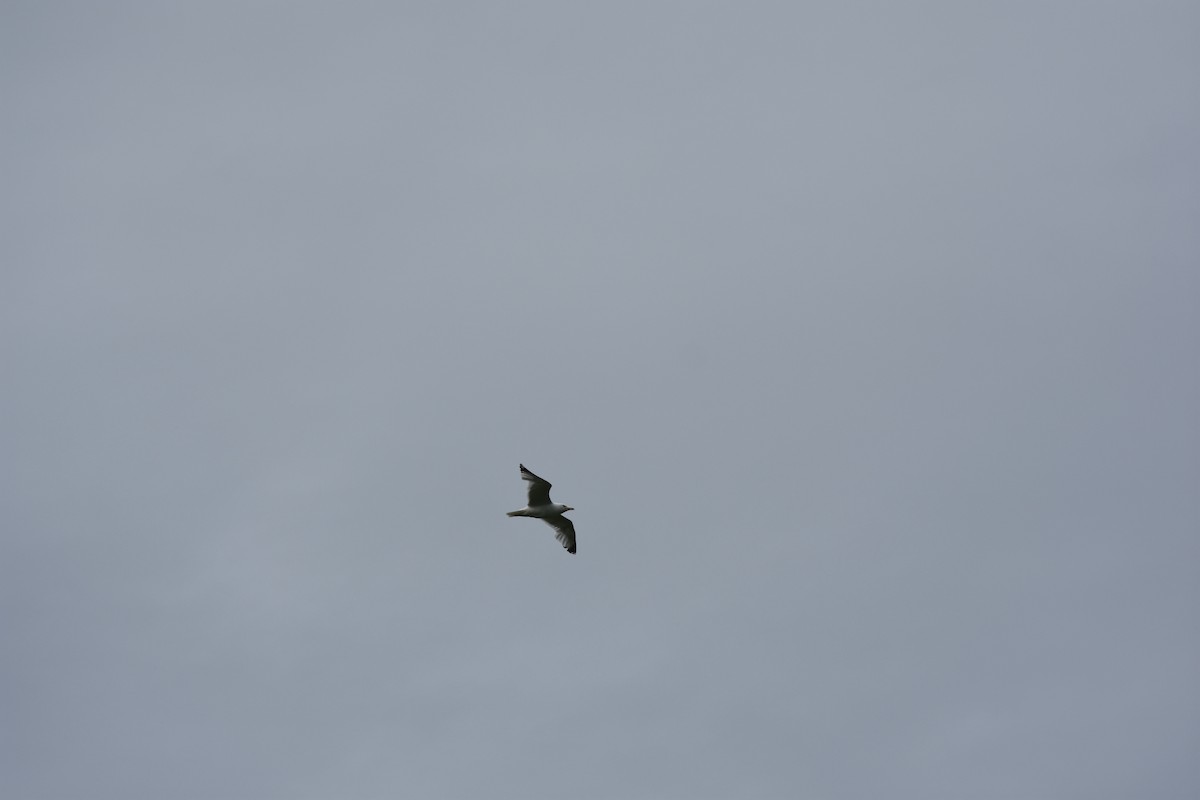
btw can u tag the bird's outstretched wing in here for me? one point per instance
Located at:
(539, 488)
(564, 531)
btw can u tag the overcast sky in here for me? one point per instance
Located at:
(864, 338)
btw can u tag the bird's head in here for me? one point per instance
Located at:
(568, 508)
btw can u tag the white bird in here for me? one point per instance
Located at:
(541, 507)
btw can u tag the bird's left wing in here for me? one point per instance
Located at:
(564, 531)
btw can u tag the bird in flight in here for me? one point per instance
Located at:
(541, 507)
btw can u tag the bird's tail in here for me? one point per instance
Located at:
(519, 513)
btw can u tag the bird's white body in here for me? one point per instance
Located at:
(541, 512)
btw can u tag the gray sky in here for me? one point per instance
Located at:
(863, 337)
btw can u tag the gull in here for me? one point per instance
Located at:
(541, 507)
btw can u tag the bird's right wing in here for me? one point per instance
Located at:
(539, 488)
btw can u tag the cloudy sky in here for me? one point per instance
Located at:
(863, 337)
